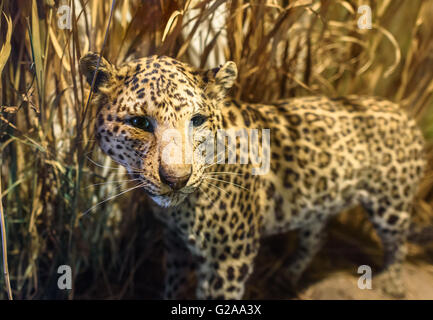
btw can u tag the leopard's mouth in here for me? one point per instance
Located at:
(163, 195)
(188, 190)
(168, 194)
(168, 200)
(150, 193)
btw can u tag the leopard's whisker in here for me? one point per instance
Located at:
(210, 200)
(120, 168)
(102, 166)
(214, 185)
(111, 197)
(109, 182)
(229, 182)
(223, 172)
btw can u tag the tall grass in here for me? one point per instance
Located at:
(51, 171)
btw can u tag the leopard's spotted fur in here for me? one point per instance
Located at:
(326, 155)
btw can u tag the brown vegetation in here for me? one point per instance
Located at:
(282, 49)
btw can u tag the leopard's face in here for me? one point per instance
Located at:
(154, 113)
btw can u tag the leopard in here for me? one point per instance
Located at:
(325, 155)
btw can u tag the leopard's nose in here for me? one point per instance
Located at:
(172, 180)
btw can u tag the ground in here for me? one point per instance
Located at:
(333, 273)
(351, 242)
(342, 285)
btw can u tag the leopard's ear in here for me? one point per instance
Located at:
(105, 74)
(220, 80)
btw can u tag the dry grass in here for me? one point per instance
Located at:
(282, 49)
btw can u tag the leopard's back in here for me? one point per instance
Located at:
(329, 154)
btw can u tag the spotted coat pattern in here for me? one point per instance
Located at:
(326, 155)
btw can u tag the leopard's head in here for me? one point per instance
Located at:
(147, 111)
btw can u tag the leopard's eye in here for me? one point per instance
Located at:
(198, 120)
(142, 123)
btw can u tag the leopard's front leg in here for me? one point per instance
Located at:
(223, 275)
(179, 264)
(311, 238)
